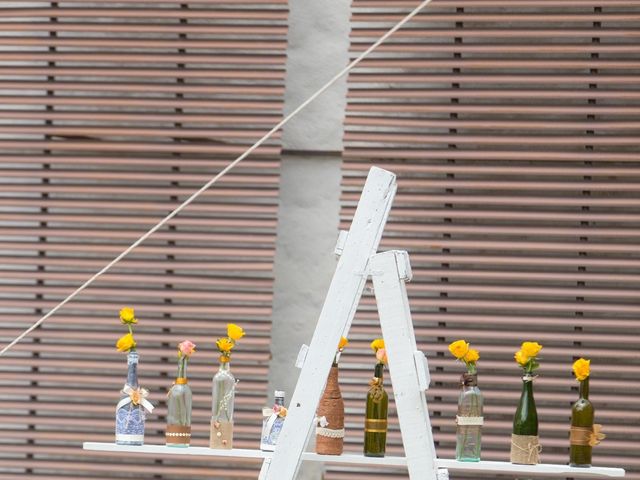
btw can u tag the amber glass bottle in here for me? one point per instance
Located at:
(581, 426)
(375, 424)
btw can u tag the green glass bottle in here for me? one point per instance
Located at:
(582, 416)
(375, 424)
(525, 424)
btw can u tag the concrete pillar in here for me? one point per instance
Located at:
(310, 177)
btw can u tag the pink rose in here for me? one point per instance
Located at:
(187, 348)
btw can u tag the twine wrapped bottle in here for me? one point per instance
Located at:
(330, 414)
(525, 444)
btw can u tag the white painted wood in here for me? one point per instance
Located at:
(541, 470)
(389, 269)
(335, 319)
(342, 240)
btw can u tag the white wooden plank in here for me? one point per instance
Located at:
(335, 319)
(389, 270)
(541, 470)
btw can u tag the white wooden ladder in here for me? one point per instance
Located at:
(407, 366)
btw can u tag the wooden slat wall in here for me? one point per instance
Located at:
(513, 126)
(110, 115)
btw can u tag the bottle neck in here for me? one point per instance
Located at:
(132, 368)
(224, 366)
(584, 388)
(279, 401)
(182, 369)
(469, 380)
(379, 371)
(527, 385)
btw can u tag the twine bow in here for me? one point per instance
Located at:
(376, 389)
(137, 396)
(322, 421)
(531, 449)
(596, 435)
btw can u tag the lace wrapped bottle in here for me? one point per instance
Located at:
(525, 446)
(375, 423)
(178, 432)
(469, 420)
(130, 414)
(330, 414)
(223, 396)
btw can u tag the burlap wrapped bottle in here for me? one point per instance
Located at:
(330, 418)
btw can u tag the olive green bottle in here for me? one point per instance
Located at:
(375, 424)
(581, 417)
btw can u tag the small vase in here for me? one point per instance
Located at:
(272, 423)
(223, 397)
(582, 416)
(178, 432)
(525, 444)
(130, 415)
(375, 423)
(330, 428)
(469, 420)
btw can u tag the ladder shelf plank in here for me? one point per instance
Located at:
(540, 470)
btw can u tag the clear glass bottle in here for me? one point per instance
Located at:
(272, 425)
(130, 418)
(582, 415)
(223, 397)
(178, 432)
(375, 423)
(469, 420)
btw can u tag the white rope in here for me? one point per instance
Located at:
(226, 169)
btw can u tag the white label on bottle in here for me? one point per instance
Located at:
(467, 421)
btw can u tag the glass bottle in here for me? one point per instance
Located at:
(272, 425)
(469, 420)
(223, 397)
(129, 417)
(179, 409)
(582, 416)
(375, 424)
(330, 432)
(525, 424)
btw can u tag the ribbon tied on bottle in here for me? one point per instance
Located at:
(376, 389)
(587, 436)
(137, 397)
(323, 431)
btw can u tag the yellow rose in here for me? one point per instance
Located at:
(459, 348)
(126, 343)
(343, 343)
(521, 358)
(581, 369)
(531, 349)
(234, 331)
(472, 356)
(127, 315)
(224, 344)
(377, 344)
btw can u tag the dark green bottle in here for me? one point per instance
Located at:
(525, 448)
(525, 421)
(581, 426)
(375, 424)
